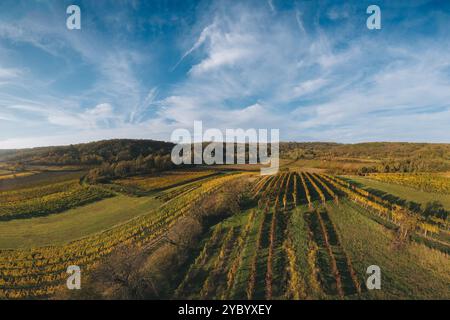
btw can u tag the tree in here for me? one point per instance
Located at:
(149, 163)
(121, 169)
(140, 163)
(407, 223)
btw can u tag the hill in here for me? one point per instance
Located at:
(374, 156)
(368, 150)
(88, 153)
(362, 157)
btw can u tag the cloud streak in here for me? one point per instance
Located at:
(316, 73)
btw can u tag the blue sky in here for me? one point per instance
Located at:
(140, 69)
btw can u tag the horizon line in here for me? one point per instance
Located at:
(281, 141)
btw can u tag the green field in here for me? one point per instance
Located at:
(414, 272)
(73, 224)
(403, 192)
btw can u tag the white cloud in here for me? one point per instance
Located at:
(97, 117)
(140, 109)
(8, 73)
(204, 35)
(103, 110)
(249, 67)
(249, 59)
(309, 86)
(401, 96)
(339, 94)
(113, 64)
(221, 57)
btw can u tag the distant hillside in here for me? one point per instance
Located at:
(5, 152)
(392, 156)
(370, 150)
(88, 153)
(381, 156)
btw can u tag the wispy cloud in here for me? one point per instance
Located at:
(9, 73)
(314, 72)
(205, 34)
(115, 87)
(271, 6)
(323, 89)
(141, 109)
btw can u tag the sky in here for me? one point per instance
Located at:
(141, 69)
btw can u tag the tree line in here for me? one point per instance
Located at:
(141, 165)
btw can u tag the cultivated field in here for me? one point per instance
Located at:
(164, 180)
(308, 238)
(406, 192)
(44, 247)
(301, 234)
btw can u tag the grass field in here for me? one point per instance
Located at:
(73, 224)
(403, 192)
(17, 175)
(39, 179)
(164, 180)
(414, 272)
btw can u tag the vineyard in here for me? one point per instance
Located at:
(421, 181)
(288, 242)
(287, 246)
(48, 199)
(267, 252)
(39, 272)
(163, 181)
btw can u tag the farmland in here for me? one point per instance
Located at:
(35, 270)
(74, 223)
(163, 180)
(403, 192)
(39, 179)
(41, 201)
(304, 233)
(225, 159)
(290, 247)
(424, 182)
